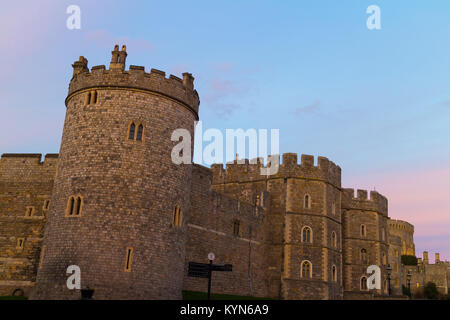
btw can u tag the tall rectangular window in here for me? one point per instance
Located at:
(128, 259)
(20, 243)
(29, 212)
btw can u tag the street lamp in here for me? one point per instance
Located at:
(408, 277)
(389, 269)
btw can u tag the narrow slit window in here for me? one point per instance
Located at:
(177, 217)
(132, 131)
(95, 97)
(88, 98)
(20, 243)
(71, 205)
(140, 132)
(46, 204)
(79, 204)
(29, 212)
(128, 259)
(363, 231)
(307, 203)
(334, 274)
(334, 239)
(236, 227)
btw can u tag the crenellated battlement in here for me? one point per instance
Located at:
(250, 170)
(400, 225)
(20, 166)
(116, 76)
(362, 201)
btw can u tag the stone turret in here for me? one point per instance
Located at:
(117, 190)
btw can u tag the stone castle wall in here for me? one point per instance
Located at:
(211, 228)
(25, 185)
(287, 217)
(405, 231)
(365, 234)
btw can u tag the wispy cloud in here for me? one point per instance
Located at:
(222, 95)
(308, 109)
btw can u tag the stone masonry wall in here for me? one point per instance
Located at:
(211, 229)
(25, 184)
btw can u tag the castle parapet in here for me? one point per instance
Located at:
(24, 167)
(155, 81)
(376, 202)
(250, 170)
(401, 226)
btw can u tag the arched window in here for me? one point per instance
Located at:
(177, 217)
(307, 201)
(306, 270)
(334, 239)
(140, 131)
(132, 131)
(363, 284)
(334, 273)
(307, 234)
(74, 206)
(383, 235)
(363, 256)
(363, 231)
(333, 208)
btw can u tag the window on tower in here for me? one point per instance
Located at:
(177, 217)
(306, 270)
(363, 231)
(334, 239)
(135, 131)
(363, 256)
(307, 201)
(236, 228)
(131, 131)
(334, 273)
(128, 259)
(140, 132)
(363, 284)
(74, 206)
(307, 235)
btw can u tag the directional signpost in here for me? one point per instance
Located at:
(204, 270)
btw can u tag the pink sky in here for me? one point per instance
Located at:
(419, 195)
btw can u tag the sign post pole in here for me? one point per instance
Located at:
(209, 279)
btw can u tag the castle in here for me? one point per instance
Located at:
(113, 203)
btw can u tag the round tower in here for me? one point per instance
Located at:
(119, 205)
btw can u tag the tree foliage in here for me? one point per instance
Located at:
(409, 260)
(430, 290)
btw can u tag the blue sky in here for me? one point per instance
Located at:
(376, 102)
